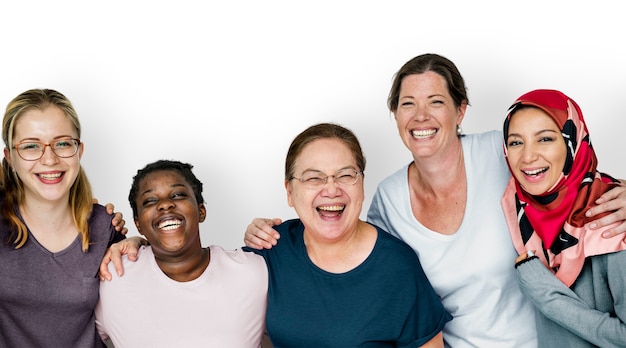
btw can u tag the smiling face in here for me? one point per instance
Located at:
(50, 177)
(427, 116)
(332, 210)
(536, 150)
(168, 214)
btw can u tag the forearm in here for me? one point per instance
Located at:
(560, 304)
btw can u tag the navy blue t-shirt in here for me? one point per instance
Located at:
(386, 301)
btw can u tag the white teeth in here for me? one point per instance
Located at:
(169, 224)
(423, 133)
(333, 208)
(534, 172)
(50, 176)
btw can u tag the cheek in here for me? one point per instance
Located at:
(21, 166)
(561, 155)
(512, 156)
(358, 196)
(296, 198)
(402, 117)
(143, 219)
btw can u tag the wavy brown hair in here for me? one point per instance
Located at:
(440, 65)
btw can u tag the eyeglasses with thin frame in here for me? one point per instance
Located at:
(314, 179)
(34, 150)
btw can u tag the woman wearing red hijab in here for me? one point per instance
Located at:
(575, 277)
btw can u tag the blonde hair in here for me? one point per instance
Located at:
(81, 197)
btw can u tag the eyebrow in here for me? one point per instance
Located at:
(319, 171)
(429, 96)
(39, 139)
(536, 133)
(171, 186)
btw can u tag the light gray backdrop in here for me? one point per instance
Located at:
(226, 85)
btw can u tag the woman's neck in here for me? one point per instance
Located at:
(51, 224)
(341, 255)
(185, 268)
(438, 173)
(438, 192)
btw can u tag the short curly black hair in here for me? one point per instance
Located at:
(183, 169)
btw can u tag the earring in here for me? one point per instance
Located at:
(459, 130)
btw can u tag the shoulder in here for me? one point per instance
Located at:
(99, 214)
(388, 241)
(395, 180)
(487, 140)
(100, 225)
(399, 259)
(238, 264)
(290, 227)
(236, 256)
(485, 150)
(144, 257)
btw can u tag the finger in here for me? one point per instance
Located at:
(116, 258)
(132, 247)
(268, 234)
(118, 220)
(617, 214)
(254, 245)
(612, 232)
(110, 208)
(104, 267)
(273, 222)
(255, 242)
(612, 194)
(614, 206)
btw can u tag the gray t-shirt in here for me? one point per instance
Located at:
(47, 299)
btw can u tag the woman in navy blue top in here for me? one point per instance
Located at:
(335, 280)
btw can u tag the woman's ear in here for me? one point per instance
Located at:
(288, 188)
(202, 209)
(7, 156)
(138, 228)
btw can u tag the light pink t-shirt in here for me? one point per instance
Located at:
(224, 307)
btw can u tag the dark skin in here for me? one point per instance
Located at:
(169, 216)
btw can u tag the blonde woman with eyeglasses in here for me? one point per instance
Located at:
(53, 235)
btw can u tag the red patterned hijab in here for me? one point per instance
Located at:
(558, 215)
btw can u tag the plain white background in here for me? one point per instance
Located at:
(226, 85)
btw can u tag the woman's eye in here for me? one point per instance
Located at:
(546, 139)
(148, 202)
(31, 146)
(179, 195)
(514, 143)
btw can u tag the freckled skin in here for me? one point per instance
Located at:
(425, 105)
